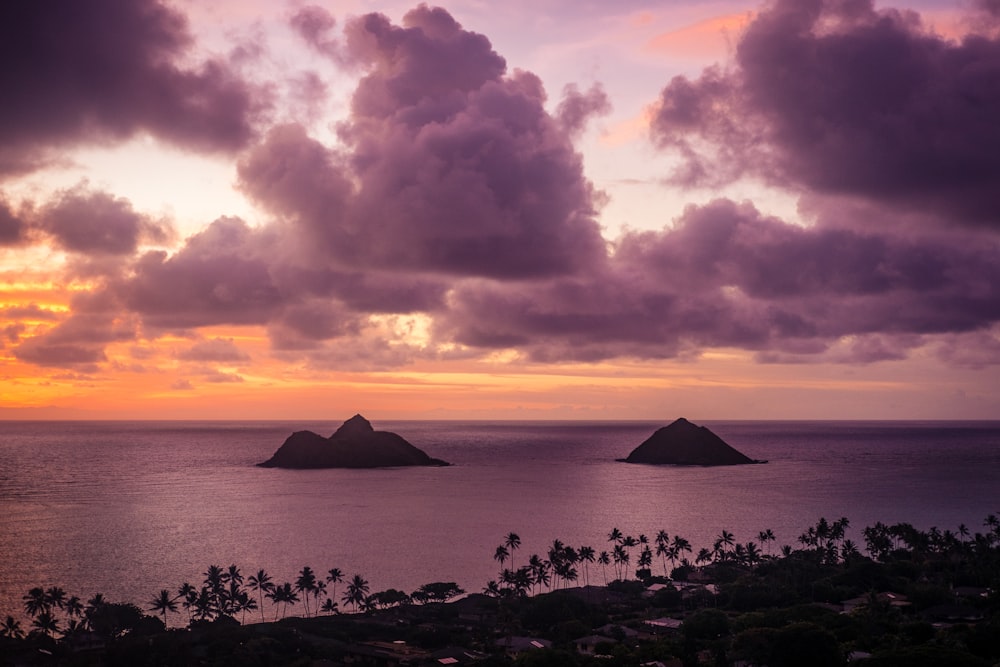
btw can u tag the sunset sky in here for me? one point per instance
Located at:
(555, 209)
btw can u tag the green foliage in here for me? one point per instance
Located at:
(805, 644)
(924, 656)
(706, 624)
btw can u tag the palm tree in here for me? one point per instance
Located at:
(628, 542)
(56, 597)
(662, 550)
(334, 576)
(35, 601)
(765, 536)
(679, 545)
(586, 555)
(163, 603)
(74, 607)
(357, 591)
(501, 555)
(329, 607)
(306, 584)
(260, 583)
(46, 622)
(188, 594)
(11, 628)
(282, 595)
(604, 559)
(512, 542)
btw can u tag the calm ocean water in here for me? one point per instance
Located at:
(128, 508)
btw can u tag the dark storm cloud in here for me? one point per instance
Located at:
(99, 71)
(726, 276)
(450, 166)
(838, 98)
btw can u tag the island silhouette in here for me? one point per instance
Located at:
(684, 443)
(354, 445)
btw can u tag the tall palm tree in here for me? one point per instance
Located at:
(188, 594)
(260, 583)
(306, 584)
(357, 591)
(512, 542)
(663, 550)
(501, 555)
(334, 576)
(615, 535)
(628, 542)
(586, 556)
(163, 603)
(765, 537)
(604, 559)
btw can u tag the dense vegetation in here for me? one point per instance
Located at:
(910, 597)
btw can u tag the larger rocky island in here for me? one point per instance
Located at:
(354, 445)
(684, 443)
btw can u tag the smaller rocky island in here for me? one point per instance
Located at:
(685, 444)
(354, 445)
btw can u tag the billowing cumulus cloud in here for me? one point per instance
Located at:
(220, 276)
(726, 276)
(841, 99)
(96, 223)
(101, 71)
(450, 165)
(453, 203)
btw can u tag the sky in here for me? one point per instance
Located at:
(562, 209)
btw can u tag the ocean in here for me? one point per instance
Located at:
(129, 508)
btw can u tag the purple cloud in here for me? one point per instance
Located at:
(450, 167)
(11, 226)
(101, 71)
(220, 276)
(842, 99)
(215, 349)
(726, 276)
(97, 223)
(577, 108)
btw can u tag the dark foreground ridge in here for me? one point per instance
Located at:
(687, 444)
(354, 445)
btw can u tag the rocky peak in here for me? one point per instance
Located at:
(355, 426)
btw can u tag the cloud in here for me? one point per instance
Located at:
(840, 99)
(11, 226)
(215, 349)
(220, 276)
(79, 340)
(577, 108)
(103, 71)
(727, 276)
(449, 165)
(88, 222)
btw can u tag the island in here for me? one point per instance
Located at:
(686, 444)
(354, 445)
